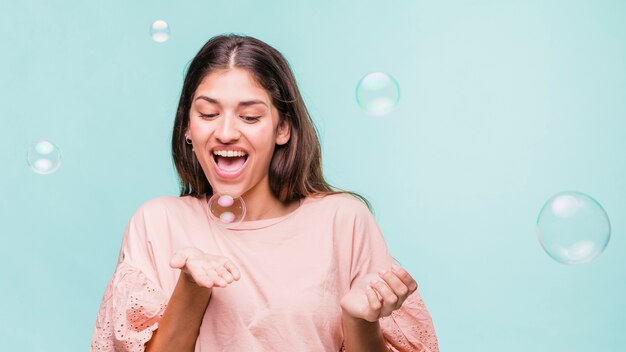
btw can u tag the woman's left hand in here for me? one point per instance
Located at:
(373, 296)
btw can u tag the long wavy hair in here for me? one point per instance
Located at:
(296, 167)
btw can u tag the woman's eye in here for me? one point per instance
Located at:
(251, 118)
(207, 116)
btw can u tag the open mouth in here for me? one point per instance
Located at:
(230, 162)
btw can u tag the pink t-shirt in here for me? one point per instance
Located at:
(294, 271)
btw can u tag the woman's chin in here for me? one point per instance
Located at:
(228, 190)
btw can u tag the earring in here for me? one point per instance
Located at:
(188, 140)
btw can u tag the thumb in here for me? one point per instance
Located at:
(178, 260)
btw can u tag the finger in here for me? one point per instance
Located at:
(178, 260)
(199, 275)
(389, 298)
(224, 274)
(405, 277)
(232, 268)
(180, 257)
(217, 279)
(204, 280)
(397, 286)
(372, 298)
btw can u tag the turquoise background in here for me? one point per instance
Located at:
(503, 104)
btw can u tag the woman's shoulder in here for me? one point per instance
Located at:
(169, 204)
(343, 203)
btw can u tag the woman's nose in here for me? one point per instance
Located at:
(227, 130)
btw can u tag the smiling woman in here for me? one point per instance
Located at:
(234, 129)
(307, 270)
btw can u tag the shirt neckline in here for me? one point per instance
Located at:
(252, 224)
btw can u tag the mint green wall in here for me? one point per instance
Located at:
(503, 104)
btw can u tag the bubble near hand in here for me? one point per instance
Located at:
(573, 228)
(226, 210)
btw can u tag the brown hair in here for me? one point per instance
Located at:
(296, 167)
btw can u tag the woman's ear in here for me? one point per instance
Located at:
(283, 132)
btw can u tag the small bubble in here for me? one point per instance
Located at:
(44, 157)
(160, 31)
(378, 93)
(226, 210)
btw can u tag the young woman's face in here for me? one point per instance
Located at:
(234, 128)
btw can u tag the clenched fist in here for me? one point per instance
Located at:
(376, 295)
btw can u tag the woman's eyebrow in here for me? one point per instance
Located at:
(241, 103)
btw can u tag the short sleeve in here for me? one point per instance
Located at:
(133, 301)
(130, 311)
(409, 328)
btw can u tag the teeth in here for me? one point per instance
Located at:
(229, 153)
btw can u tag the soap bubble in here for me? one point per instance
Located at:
(227, 210)
(377, 93)
(160, 31)
(573, 228)
(44, 157)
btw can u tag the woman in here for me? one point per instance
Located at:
(308, 269)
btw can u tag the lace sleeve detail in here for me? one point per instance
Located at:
(410, 328)
(130, 311)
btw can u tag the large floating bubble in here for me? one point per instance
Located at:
(44, 157)
(227, 210)
(160, 31)
(573, 228)
(378, 93)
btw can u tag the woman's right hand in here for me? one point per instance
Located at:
(205, 270)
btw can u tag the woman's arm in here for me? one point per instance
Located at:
(362, 335)
(370, 298)
(179, 328)
(200, 272)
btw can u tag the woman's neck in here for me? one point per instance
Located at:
(264, 205)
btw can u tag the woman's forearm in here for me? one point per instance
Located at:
(179, 328)
(362, 335)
